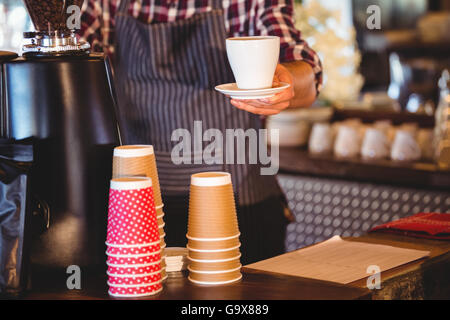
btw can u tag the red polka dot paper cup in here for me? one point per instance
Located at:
(131, 213)
(134, 251)
(134, 280)
(133, 270)
(134, 260)
(134, 292)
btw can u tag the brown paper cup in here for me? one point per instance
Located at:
(161, 230)
(137, 160)
(199, 244)
(214, 265)
(212, 209)
(162, 243)
(164, 274)
(214, 255)
(228, 276)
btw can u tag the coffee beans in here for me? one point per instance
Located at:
(50, 15)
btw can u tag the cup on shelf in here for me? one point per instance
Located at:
(375, 145)
(321, 139)
(348, 142)
(405, 147)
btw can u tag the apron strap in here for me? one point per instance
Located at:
(216, 4)
(123, 7)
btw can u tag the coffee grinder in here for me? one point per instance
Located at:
(60, 98)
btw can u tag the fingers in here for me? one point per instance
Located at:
(276, 81)
(272, 105)
(266, 110)
(285, 95)
(283, 74)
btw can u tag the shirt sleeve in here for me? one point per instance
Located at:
(97, 25)
(277, 19)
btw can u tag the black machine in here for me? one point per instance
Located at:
(60, 98)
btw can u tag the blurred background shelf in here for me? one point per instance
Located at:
(419, 174)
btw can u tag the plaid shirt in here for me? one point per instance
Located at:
(242, 18)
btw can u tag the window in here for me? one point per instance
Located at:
(14, 21)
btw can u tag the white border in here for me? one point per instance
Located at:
(213, 251)
(215, 272)
(135, 295)
(132, 265)
(137, 151)
(138, 183)
(213, 239)
(215, 261)
(224, 179)
(132, 245)
(133, 285)
(127, 256)
(215, 283)
(131, 275)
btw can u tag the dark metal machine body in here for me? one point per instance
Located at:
(65, 106)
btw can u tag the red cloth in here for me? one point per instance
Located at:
(421, 225)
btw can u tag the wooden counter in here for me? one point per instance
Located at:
(252, 287)
(423, 279)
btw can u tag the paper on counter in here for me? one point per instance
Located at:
(340, 261)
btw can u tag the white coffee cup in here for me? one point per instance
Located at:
(321, 139)
(253, 60)
(348, 142)
(405, 147)
(375, 144)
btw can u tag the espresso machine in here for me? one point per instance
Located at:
(60, 98)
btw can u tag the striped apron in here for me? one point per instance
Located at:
(165, 79)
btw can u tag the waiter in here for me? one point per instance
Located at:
(168, 57)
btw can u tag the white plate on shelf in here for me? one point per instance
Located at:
(232, 90)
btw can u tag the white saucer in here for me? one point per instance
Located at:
(231, 89)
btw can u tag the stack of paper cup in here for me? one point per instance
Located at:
(133, 244)
(140, 160)
(213, 231)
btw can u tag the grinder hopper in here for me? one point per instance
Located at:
(55, 24)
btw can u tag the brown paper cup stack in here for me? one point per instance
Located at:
(213, 231)
(140, 160)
